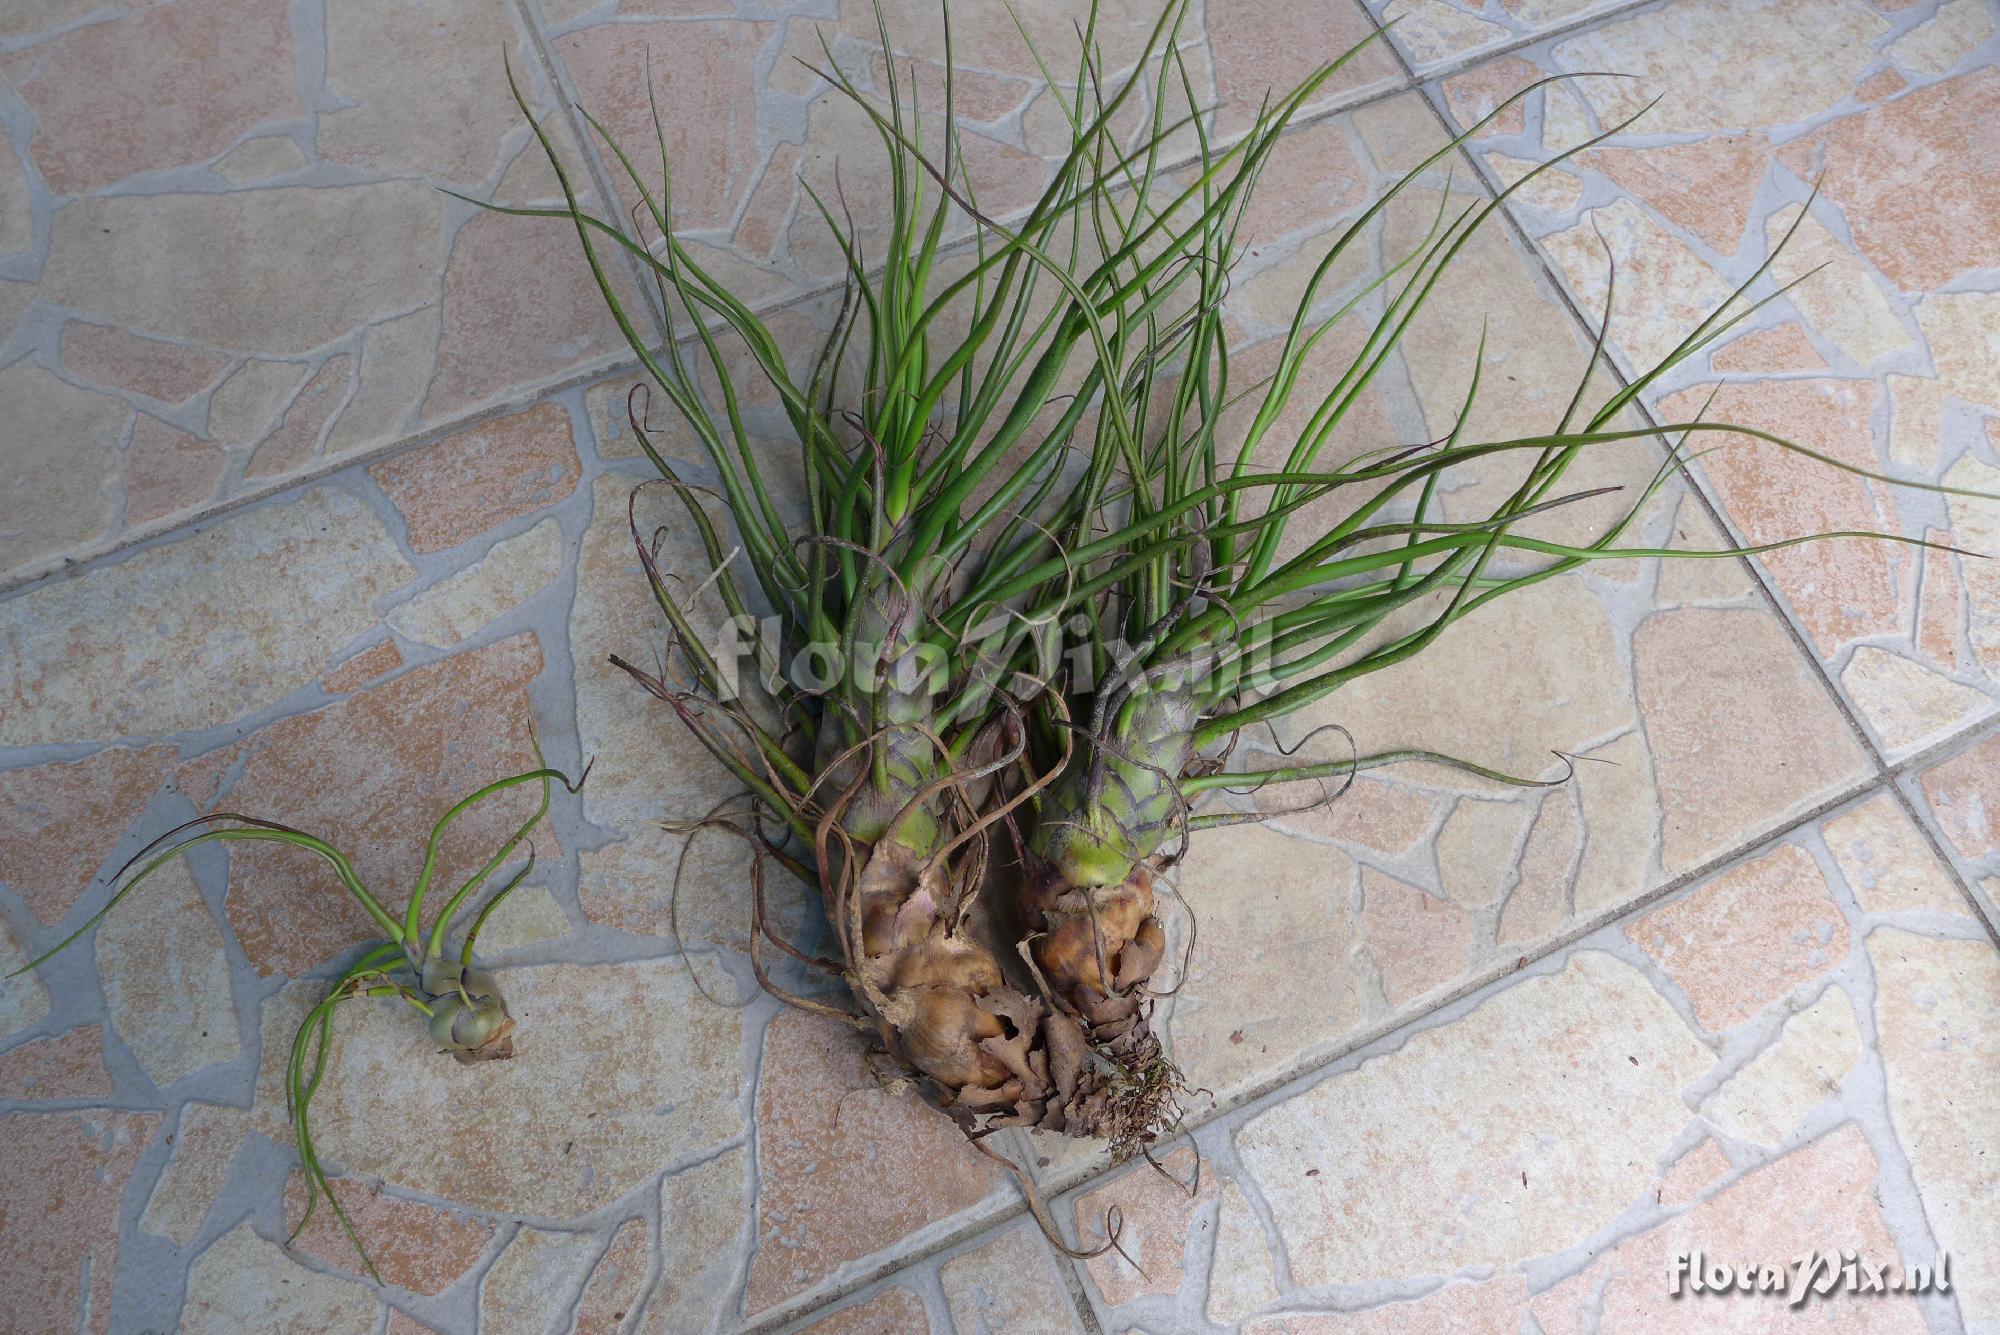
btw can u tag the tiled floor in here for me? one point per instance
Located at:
(1473, 1059)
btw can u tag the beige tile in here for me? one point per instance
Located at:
(370, 774)
(1820, 1197)
(1442, 1175)
(62, 445)
(835, 1152)
(87, 136)
(595, 1100)
(1766, 1099)
(1155, 1217)
(242, 1282)
(60, 1184)
(75, 673)
(205, 1143)
(1008, 1284)
(1886, 862)
(1747, 937)
(166, 978)
(1936, 1007)
(707, 1224)
(474, 479)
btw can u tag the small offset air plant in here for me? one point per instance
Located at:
(461, 1005)
(984, 813)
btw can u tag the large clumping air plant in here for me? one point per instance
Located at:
(1055, 559)
(461, 1005)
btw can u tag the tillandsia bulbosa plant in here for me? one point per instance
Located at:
(461, 1005)
(1044, 577)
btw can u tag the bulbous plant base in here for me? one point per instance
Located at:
(1031, 1036)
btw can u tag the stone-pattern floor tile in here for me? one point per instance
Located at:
(174, 163)
(177, 162)
(1960, 795)
(1886, 362)
(1549, 1146)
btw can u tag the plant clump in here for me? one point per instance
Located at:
(462, 1007)
(1057, 559)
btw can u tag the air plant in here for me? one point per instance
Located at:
(984, 805)
(461, 1005)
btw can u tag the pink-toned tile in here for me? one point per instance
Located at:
(1383, 817)
(68, 1066)
(975, 95)
(1156, 1217)
(1841, 591)
(369, 774)
(1742, 734)
(59, 821)
(765, 216)
(1879, 87)
(119, 358)
(1940, 612)
(1269, 46)
(1918, 179)
(156, 89)
(836, 1154)
(1784, 347)
(1818, 1198)
(297, 437)
(1691, 1173)
(617, 1285)
(1314, 177)
(482, 476)
(1485, 89)
(520, 306)
(1748, 937)
(893, 1311)
(167, 470)
(1964, 792)
(414, 1245)
(1707, 186)
(363, 668)
(1419, 942)
(61, 1182)
(699, 71)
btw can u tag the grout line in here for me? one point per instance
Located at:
(76, 559)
